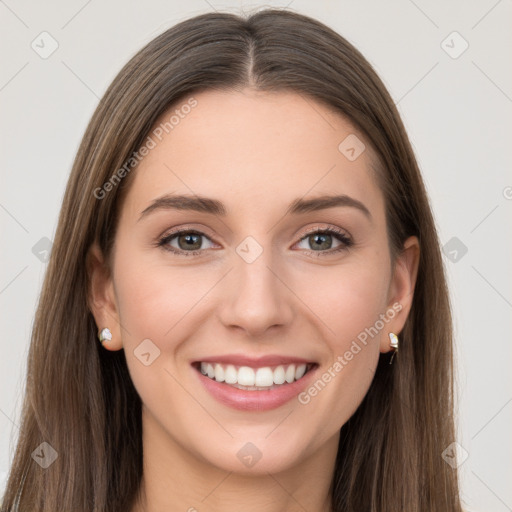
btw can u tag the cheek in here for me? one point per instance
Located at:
(348, 299)
(157, 303)
(349, 304)
(153, 299)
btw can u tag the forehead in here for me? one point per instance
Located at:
(252, 149)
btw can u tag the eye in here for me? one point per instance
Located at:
(188, 242)
(184, 242)
(321, 241)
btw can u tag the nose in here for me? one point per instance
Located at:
(256, 297)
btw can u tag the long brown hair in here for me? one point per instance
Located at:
(79, 397)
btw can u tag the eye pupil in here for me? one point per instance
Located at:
(321, 236)
(190, 240)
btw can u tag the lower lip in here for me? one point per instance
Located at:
(255, 400)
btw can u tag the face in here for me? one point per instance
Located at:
(258, 282)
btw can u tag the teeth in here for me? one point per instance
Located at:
(279, 375)
(231, 375)
(245, 376)
(219, 373)
(264, 377)
(300, 371)
(290, 373)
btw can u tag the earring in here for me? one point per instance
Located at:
(105, 334)
(394, 344)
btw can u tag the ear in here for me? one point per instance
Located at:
(101, 297)
(401, 289)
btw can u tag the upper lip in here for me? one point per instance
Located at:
(254, 362)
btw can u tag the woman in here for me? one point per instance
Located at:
(246, 231)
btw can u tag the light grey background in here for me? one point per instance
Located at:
(458, 115)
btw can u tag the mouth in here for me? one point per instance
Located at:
(254, 385)
(250, 378)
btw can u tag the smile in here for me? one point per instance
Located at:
(254, 379)
(250, 384)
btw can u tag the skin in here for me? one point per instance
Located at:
(256, 152)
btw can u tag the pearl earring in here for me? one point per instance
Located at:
(104, 334)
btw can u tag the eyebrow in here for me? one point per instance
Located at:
(216, 207)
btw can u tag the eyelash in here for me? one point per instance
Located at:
(346, 242)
